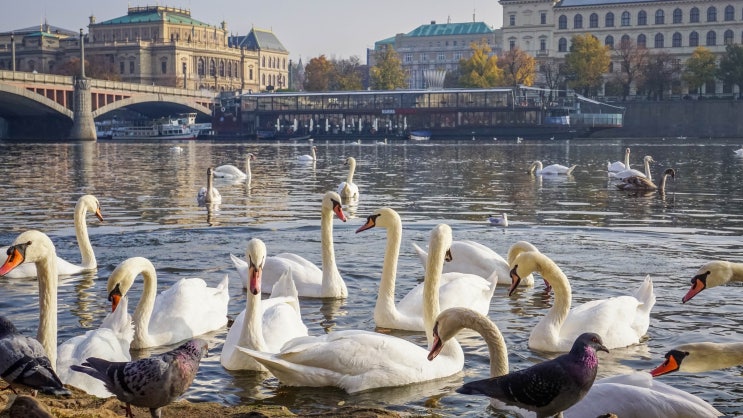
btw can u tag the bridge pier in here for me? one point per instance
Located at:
(83, 126)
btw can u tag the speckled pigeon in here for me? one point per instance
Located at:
(150, 382)
(23, 362)
(550, 387)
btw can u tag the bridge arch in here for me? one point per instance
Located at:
(152, 104)
(18, 101)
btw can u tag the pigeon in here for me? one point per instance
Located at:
(550, 387)
(150, 382)
(23, 362)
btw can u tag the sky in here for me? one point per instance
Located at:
(308, 28)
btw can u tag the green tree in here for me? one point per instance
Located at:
(317, 74)
(661, 71)
(731, 67)
(586, 63)
(388, 73)
(346, 74)
(701, 68)
(632, 61)
(481, 69)
(518, 67)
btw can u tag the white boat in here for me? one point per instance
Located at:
(419, 135)
(154, 131)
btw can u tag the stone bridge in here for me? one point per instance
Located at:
(41, 106)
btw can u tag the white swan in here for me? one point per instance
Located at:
(229, 171)
(537, 168)
(620, 321)
(645, 184)
(209, 194)
(309, 157)
(310, 280)
(348, 189)
(739, 152)
(264, 325)
(701, 357)
(713, 274)
(474, 258)
(86, 203)
(356, 360)
(110, 341)
(456, 288)
(635, 395)
(618, 166)
(186, 309)
(636, 173)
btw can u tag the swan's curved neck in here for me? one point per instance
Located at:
(551, 324)
(386, 295)
(497, 348)
(647, 169)
(83, 240)
(626, 159)
(209, 184)
(331, 278)
(351, 170)
(48, 280)
(146, 305)
(737, 272)
(662, 187)
(251, 334)
(431, 308)
(248, 171)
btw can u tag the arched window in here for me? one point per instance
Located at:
(562, 22)
(609, 41)
(200, 67)
(694, 15)
(712, 14)
(593, 21)
(263, 62)
(676, 40)
(609, 20)
(711, 38)
(729, 13)
(659, 40)
(641, 41)
(642, 18)
(625, 18)
(221, 68)
(660, 17)
(263, 81)
(578, 21)
(728, 37)
(625, 40)
(229, 69)
(562, 45)
(678, 16)
(693, 39)
(212, 68)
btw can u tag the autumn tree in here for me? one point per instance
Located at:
(632, 62)
(518, 67)
(96, 66)
(388, 73)
(554, 76)
(346, 74)
(317, 74)
(481, 69)
(661, 71)
(700, 69)
(730, 70)
(586, 63)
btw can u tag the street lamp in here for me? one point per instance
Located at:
(82, 55)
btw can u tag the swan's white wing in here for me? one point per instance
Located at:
(229, 171)
(455, 290)
(282, 322)
(611, 318)
(306, 275)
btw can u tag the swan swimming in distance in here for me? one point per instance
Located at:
(229, 171)
(209, 194)
(538, 169)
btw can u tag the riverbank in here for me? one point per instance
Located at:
(82, 405)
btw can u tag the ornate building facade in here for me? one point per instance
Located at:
(273, 58)
(544, 28)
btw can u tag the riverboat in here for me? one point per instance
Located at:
(156, 130)
(519, 112)
(419, 135)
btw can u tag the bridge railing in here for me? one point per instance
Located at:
(26, 77)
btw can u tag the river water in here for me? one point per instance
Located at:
(605, 240)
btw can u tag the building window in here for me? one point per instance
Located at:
(221, 68)
(693, 39)
(441, 57)
(609, 20)
(457, 56)
(625, 19)
(711, 38)
(512, 20)
(712, 14)
(212, 68)
(694, 15)
(562, 45)
(728, 38)
(676, 40)
(511, 44)
(542, 18)
(609, 41)
(642, 18)
(408, 57)
(678, 16)
(131, 67)
(578, 21)
(200, 67)
(263, 81)
(562, 22)
(423, 57)
(542, 45)
(593, 20)
(250, 73)
(660, 17)
(164, 67)
(641, 42)
(625, 40)
(659, 40)
(121, 67)
(729, 13)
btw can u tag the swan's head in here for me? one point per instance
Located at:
(447, 325)
(122, 278)
(255, 253)
(536, 165)
(670, 172)
(250, 156)
(29, 247)
(672, 363)
(714, 273)
(90, 204)
(332, 202)
(440, 241)
(648, 159)
(350, 161)
(384, 218)
(523, 264)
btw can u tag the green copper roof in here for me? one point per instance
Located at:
(42, 35)
(448, 29)
(154, 15)
(260, 40)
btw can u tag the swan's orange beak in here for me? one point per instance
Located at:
(697, 285)
(98, 214)
(371, 222)
(115, 297)
(254, 279)
(338, 209)
(16, 255)
(515, 280)
(437, 344)
(668, 366)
